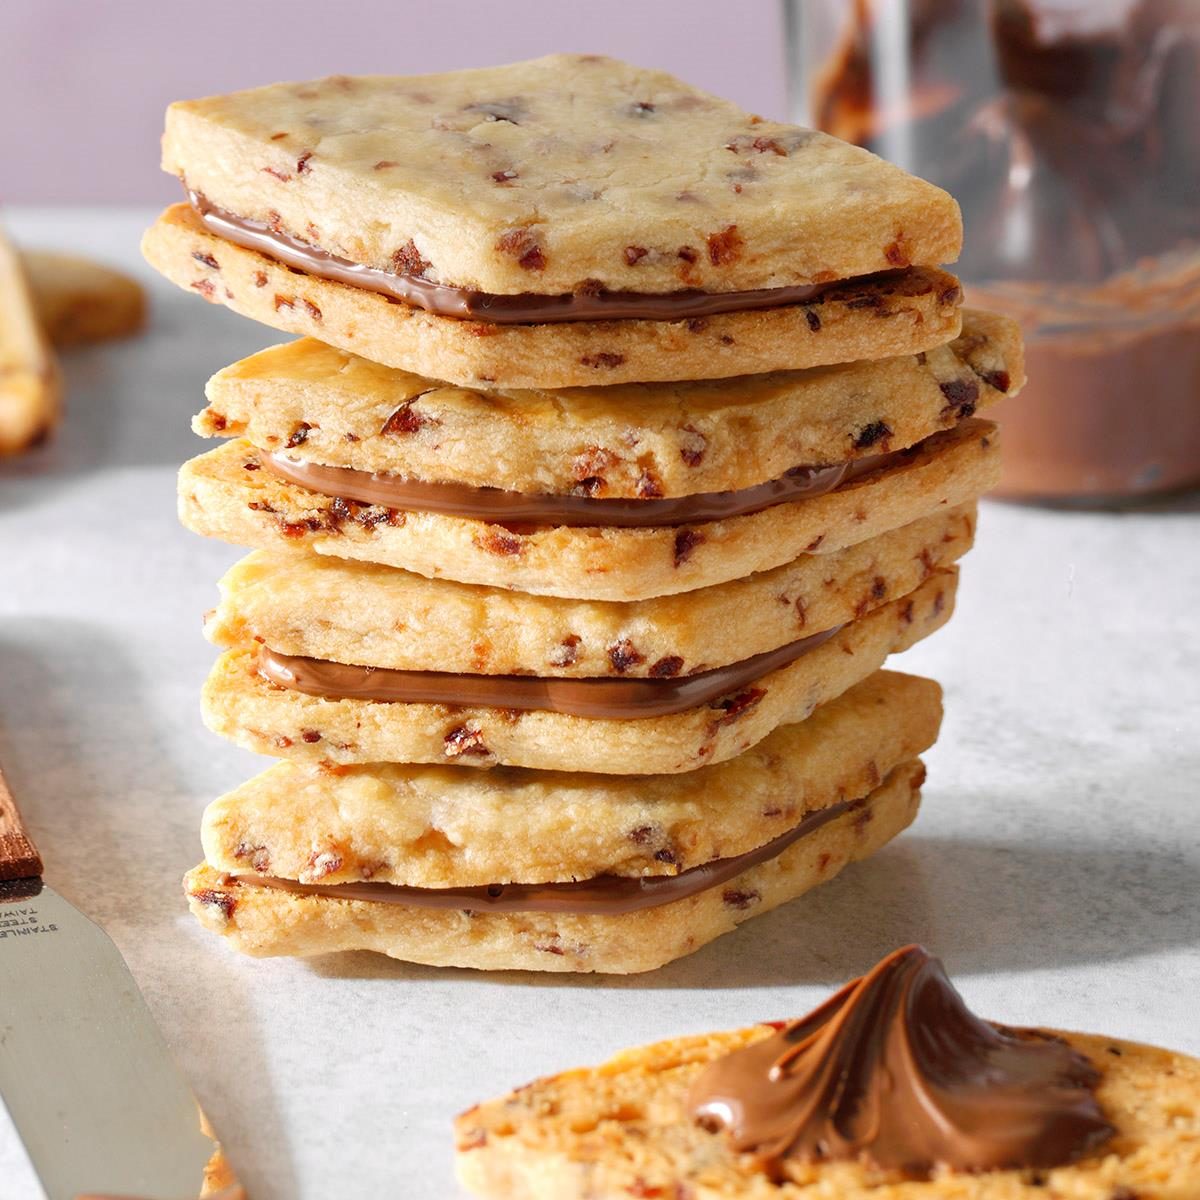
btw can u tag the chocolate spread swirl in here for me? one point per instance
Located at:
(895, 1071)
(619, 699)
(516, 308)
(504, 507)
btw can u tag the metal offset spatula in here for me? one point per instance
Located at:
(87, 1078)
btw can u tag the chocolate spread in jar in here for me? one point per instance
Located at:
(1069, 133)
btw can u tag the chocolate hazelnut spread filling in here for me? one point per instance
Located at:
(604, 895)
(894, 1070)
(503, 507)
(612, 699)
(516, 308)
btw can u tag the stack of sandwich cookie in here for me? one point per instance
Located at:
(892, 1089)
(639, 433)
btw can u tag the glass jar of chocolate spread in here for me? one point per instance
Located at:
(1069, 131)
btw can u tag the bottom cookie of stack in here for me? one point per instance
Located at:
(554, 871)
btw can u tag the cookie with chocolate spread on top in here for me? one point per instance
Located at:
(316, 606)
(570, 220)
(614, 924)
(322, 711)
(314, 404)
(890, 1090)
(238, 494)
(30, 382)
(438, 827)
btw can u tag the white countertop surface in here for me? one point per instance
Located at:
(1055, 866)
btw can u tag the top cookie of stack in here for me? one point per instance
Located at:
(567, 221)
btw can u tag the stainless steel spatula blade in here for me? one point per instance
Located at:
(85, 1073)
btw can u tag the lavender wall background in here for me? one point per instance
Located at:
(83, 83)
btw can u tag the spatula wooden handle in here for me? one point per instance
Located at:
(19, 858)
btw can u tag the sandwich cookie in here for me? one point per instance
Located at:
(331, 712)
(615, 924)
(572, 220)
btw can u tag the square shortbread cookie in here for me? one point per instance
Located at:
(552, 175)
